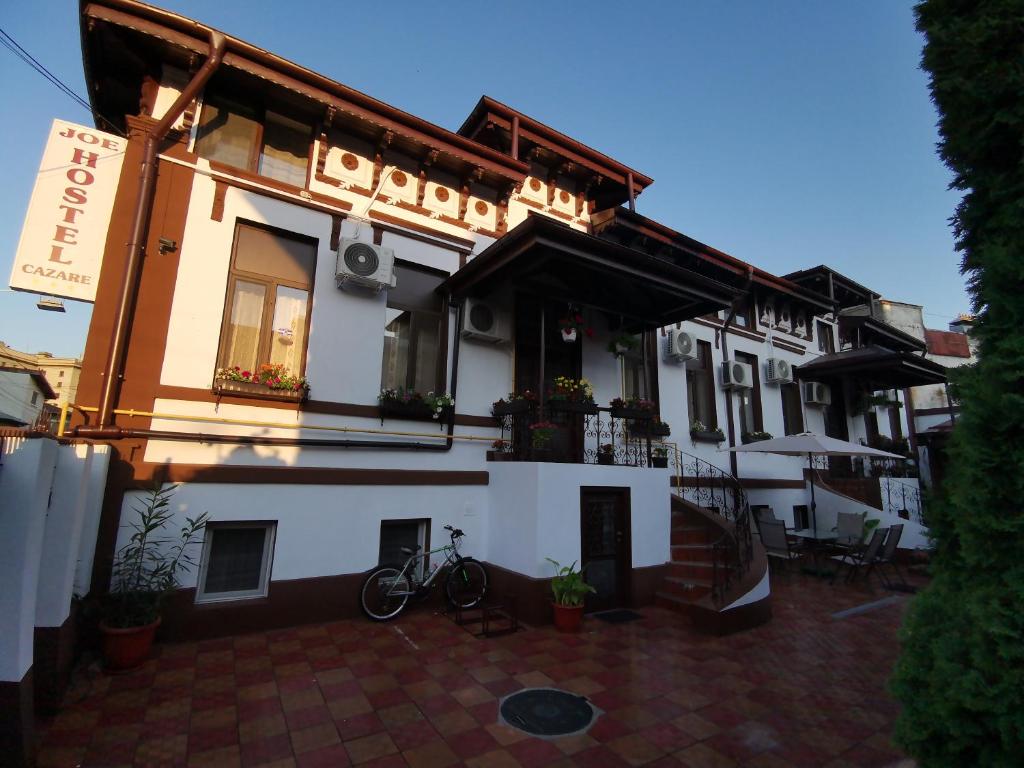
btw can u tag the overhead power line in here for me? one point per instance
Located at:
(12, 45)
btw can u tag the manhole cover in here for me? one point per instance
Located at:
(548, 712)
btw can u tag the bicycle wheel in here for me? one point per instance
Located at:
(385, 593)
(466, 584)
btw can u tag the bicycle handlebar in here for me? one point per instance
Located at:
(456, 533)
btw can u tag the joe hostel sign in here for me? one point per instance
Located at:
(62, 241)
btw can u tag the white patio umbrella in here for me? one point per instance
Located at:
(810, 445)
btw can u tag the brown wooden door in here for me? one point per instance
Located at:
(605, 544)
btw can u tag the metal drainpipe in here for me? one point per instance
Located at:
(143, 209)
(733, 464)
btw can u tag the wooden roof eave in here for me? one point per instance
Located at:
(182, 32)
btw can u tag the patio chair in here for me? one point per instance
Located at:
(888, 556)
(776, 543)
(857, 558)
(849, 529)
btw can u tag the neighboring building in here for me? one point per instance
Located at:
(302, 224)
(23, 397)
(61, 372)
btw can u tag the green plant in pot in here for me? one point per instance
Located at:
(145, 573)
(569, 590)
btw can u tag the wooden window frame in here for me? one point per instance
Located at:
(269, 300)
(707, 380)
(646, 355)
(824, 332)
(259, 116)
(755, 393)
(791, 387)
(441, 367)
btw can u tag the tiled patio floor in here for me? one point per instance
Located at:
(805, 690)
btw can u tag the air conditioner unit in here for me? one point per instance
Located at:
(816, 393)
(680, 346)
(365, 265)
(777, 371)
(736, 375)
(484, 322)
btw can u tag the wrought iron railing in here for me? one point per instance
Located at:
(903, 499)
(710, 487)
(585, 434)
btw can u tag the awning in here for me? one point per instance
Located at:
(881, 368)
(549, 259)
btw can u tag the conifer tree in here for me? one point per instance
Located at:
(960, 677)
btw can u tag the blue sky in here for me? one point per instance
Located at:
(788, 134)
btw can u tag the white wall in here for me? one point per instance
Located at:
(535, 513)
(25, 480)
(830, 504)
(16, 391)
(325, 530)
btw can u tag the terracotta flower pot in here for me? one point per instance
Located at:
(568, 335)
(568, 618)
(127, 648)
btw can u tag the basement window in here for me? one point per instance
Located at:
(236, 561)
(395, 534)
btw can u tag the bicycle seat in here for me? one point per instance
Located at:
(411, 550)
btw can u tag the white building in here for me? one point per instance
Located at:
(297, 222)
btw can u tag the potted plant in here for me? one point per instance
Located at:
(515, 404)
(500, 451)
(569, 589)
(268, 380)
(659, 428)
(701, 433)
(756, 436)
(145, 572)
(633, 408)
(404, 403)
(541, 435)
(659, 457)
(606, 454)
(572, 396)
(572, 325)
(622, 344)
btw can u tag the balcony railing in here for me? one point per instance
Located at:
(585, 434)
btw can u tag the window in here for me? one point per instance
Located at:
(792, 411)
(414, 353)
(35, 398)
(640, 380)
(801, 517)
(895, 424)
(236, 561)
(257, 140)
(826, 344)
(750, 399)
(700, 387)
(395, 534)
(744, 317)
(266, 313)
(60, 374)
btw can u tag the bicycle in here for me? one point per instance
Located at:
(387, 589)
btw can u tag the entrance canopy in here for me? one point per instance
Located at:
(883, 368)
(549, 259)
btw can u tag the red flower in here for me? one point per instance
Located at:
(589, 332)
(579, 318)
(246, 374)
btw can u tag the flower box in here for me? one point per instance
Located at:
(414, 410)
(606, 458)
(660, 429)
(251, 389)
(659, 462)
(706, 437)
(637, 414)
(500, 456)
(514, 408)
(570, 406)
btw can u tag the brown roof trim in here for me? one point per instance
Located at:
(657, 231)
(37, 376)
(184, 32)
(491, 110)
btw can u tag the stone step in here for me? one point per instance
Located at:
(689, 588)
(700, 570)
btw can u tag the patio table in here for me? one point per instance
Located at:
(816, 543)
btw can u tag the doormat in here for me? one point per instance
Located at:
(617, 616)
(547, 712)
